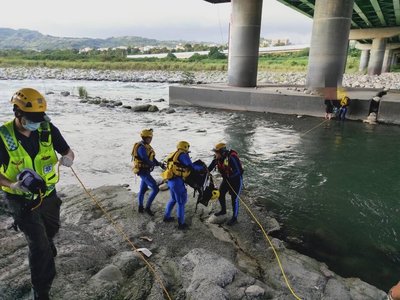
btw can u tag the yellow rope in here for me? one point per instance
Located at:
(265, 233)
(303, 134)
(119, 230)
(269, 241)
(40, 202)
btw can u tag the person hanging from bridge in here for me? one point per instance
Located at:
(144, 162)
(179, 166)
(28, 177)
(230, 167)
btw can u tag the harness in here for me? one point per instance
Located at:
(138, 164)
(174, 167)
(225, 168)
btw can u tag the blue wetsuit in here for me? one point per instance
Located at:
(232, 183)
(178, 190)
(146, 179)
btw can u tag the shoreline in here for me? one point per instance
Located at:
(210, 260)
(385, 80)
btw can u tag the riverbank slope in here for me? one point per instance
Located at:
(210, 260)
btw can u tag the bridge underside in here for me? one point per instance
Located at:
(366, 14)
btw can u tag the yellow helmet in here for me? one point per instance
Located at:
(146, 133)
(219, 147)
(29, 100)
(183, 145)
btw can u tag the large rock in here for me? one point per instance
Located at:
(207, 261)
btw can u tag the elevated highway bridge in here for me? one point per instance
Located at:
(375, 24)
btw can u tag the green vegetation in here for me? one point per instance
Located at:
(117, 60)
(83, 94)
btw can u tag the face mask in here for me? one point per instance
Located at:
(28, 125)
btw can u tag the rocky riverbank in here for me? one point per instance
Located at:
(386, 80)
(210, 260)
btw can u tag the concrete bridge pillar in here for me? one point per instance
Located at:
(244, 40)
(395, 58)
(329, 43)
(387, 60)
(377, 55)
(364, 60)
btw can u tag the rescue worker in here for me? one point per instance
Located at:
(231, 170)
(179, 166)
(344, 103)
(27, 145)
(144, 162)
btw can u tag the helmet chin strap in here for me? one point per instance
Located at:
(18, 113)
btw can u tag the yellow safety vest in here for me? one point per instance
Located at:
(138, 164)
(344, 101)
(174, 167)
(43, 163)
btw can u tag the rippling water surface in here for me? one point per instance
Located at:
(335, 188)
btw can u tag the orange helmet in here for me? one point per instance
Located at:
(219, 147)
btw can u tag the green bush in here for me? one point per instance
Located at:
(197, 57)
(216, 54)
(83, 94)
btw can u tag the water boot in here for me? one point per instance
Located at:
(168, 219)
(183, 226)
(149, 211)
(232, 221)
(220, 213)
(42, 294)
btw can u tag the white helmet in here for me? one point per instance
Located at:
(376, 99)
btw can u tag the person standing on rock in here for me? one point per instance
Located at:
(231, 170)
(179, 166)
(28, 146)
(144, 162)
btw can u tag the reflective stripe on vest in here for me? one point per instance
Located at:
(43, 163)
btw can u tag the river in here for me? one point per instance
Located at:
(334, 186)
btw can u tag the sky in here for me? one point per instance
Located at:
(189, 20)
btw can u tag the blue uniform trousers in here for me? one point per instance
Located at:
(178, 195)
(147, 181)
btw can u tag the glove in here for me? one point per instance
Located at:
(18, 186)
(65, 161)
(31, 181)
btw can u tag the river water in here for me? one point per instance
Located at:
(334, 186)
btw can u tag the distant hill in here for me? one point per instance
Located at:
(25, 39)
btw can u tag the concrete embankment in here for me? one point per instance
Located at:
(284, 100)
(277, 92)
